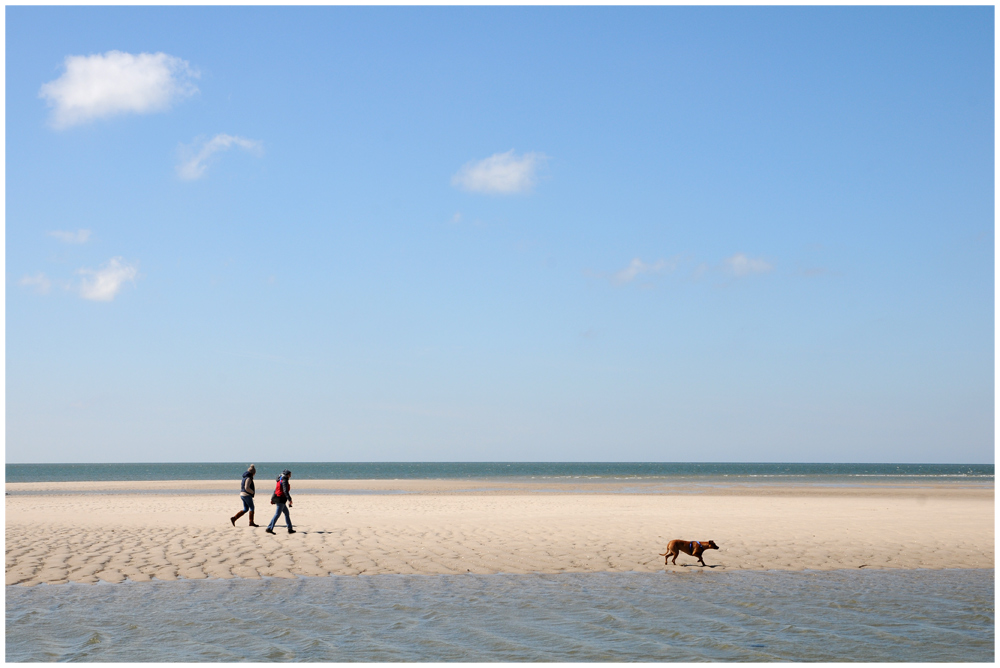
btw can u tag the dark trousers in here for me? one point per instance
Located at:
(282, 508)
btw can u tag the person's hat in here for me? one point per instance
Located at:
(286, 472)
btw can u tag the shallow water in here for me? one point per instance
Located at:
(869, 616)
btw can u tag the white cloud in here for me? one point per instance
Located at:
(39, 282)
(501, 173)
(194, 167)
(741, 265)
(637, 266)
(103, 284)
(78, 237)
(114, 83)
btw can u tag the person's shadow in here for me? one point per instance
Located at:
(304, 531)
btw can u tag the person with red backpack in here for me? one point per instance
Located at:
(282, 498)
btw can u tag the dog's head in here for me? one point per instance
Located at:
(709, 545)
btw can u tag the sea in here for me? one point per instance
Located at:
(750, 616)
(836, 474)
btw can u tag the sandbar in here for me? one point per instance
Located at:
(168, 530)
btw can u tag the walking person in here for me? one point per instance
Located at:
(246, 496)
(282, 498)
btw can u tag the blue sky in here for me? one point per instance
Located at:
(500, 234)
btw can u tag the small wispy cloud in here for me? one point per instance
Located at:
(637, 267)
(39, 282)
(104, 284)
(195, 160)
(734, 267)
(740, 265)
(103, 85)
(78, 237)
(500, 174)
(460, 219)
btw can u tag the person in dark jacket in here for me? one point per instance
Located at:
(246, 496)
(283, 499)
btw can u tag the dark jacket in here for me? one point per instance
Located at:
(286, 490)
(246, 487)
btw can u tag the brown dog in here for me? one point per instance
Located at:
(693, 547)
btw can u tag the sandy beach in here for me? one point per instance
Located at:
(165, 530)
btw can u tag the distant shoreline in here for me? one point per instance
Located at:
(514, 486)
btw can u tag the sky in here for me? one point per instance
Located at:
(714, 234)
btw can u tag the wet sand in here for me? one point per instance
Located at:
(113, 531)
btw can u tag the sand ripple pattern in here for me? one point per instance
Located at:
(90, 537)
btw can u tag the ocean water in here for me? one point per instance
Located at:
(553, 471)
(865, 616)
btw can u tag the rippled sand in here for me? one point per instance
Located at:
(86, 532)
